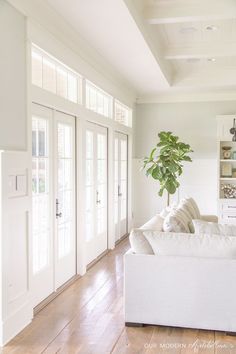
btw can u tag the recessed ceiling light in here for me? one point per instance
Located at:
(211, 59)
(188, 30)
(211, 28)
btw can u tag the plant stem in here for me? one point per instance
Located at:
(168, 199)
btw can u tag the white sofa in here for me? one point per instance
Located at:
(196, 291)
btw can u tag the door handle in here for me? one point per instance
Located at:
(119, 193)
(98, 201)
(58, 215)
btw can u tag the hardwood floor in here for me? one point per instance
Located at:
(88, 318)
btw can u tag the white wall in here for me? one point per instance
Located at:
(194, 123)
(13, 128)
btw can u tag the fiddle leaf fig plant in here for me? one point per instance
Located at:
(165, 162)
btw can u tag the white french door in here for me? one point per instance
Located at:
(65, 241)
(53, 201)
(120, 185)
(96, 191)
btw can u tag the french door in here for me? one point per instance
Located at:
(120, 185)
(53, 201)
(96, 191)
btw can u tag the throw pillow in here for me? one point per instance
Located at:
(177, 221)
(213, 228)
(190, 205)
(155, 223)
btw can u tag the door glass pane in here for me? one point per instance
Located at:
(123, 149)
(101, 201)
(123, 170)
(40, 194)
(120, 184)
(89, 144)
(123, 210)
(65, 188)
(101, 146)
(89, 185)
(116, 181)
(89, 213)
(101, 173)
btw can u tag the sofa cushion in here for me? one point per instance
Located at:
(213, 228)
(177, 220)
(138, 242)
(155, 223)
(169, 244)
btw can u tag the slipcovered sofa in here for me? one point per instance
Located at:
(180, 279)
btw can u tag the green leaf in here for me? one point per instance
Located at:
(186, 158)
(149, 170)
(170, 187)
(152, 153)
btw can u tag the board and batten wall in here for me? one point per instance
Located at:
(195, 123)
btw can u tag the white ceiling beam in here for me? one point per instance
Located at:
(190, 12)
(188, 52)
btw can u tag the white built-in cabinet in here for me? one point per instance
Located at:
(226, 169)
(15, 215)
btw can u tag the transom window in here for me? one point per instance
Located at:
(123, 114)
(51, 75)
(98, 100)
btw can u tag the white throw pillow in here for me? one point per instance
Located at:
(191, 207)
(213, 228)
(196, 209)
(155, 223)
(167, 210)
(169, 244)
(177, 221)
(139, 243)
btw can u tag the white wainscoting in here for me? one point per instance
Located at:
(198, 181)
(15, 209)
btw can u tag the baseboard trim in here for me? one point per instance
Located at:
(232, 334)
(15, 323)
(51, 297)
(121, 239)
(133, 324)
(91, 264)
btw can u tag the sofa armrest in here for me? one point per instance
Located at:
(209, 218)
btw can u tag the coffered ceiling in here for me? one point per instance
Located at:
(161, 45)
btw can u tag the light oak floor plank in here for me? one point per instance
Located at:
(88, 318)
